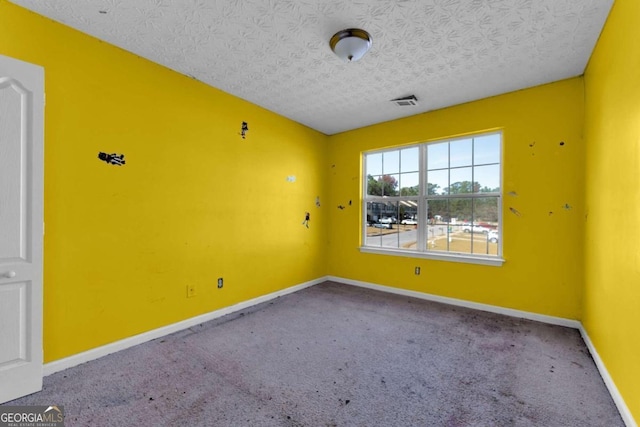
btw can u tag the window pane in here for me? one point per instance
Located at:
(374, 164)
(438, 156)
(486, 149)
(487, 177)
(485, 211)
(410, 160)
(438, 211)
(374, 211)
(485, 234)
(374, 186)
(382, 227)
(373, 235)
(461, 152)
(462, 211)
(390, 185)
(475, 239)
(408, 212)
(390, 162)
(461, 181)
(384, 185)
(408, 227)
(437, 229)
(437, 182)
(409, 184)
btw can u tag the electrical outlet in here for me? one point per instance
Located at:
(417, 271)
(191, 291)
(220, 282)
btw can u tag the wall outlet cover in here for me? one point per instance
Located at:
(191, 291)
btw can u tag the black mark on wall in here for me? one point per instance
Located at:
(112, 159)
(244, 129)
(515, 211)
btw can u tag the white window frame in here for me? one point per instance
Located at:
(421, 252)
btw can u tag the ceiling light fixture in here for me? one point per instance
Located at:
(351, 44)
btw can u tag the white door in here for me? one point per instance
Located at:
(21, 228)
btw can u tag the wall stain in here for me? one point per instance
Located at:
(112, 159)
(244, 128)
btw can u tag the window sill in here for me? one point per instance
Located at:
(463, 258)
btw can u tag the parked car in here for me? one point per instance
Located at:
(467, 228)
(382, 225)
(492, 236)
(409, 221)
(387, 220)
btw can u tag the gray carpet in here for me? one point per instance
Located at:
(335, 355)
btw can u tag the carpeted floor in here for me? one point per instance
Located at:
(335, 355)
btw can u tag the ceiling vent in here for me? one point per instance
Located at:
(406, 101)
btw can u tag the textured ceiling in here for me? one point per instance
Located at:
(275, 53)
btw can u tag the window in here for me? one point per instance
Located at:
(436, 200)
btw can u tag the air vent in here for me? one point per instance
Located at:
(406, 101)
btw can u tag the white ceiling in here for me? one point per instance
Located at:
(275, 53)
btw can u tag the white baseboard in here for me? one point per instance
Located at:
(96, 353)
(625, 413)
(560, 321)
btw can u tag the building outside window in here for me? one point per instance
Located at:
(441, 199)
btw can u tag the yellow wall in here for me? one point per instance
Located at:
(194, 201)
(543, 268)
(612, 257)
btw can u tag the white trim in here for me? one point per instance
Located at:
(98, 352)
(423, 199)
(552, 320)
(440, 256)
(625, 413)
